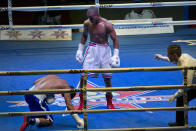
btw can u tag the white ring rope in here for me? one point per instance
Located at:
(83, 7)
(116, 25)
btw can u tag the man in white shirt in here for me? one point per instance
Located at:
(139, 13)
(175, 56)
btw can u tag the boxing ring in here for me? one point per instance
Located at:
(122, 76)
(186, 108)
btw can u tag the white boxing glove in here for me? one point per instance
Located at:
(50, 99)
(79, 53)
(78, 120)
(160, 57)
(115, 60)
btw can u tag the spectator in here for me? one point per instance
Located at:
(139, 13)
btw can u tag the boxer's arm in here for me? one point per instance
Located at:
(113, 36)
(68, 101)
(84, 33)
(78, 120)
(79, 53)
(160, 57)
(115, 60)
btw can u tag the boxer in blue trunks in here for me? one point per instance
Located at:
(40, 102)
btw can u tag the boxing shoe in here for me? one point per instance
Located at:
(110, 106)
(109, 101)
(24, 124)
(27, 121)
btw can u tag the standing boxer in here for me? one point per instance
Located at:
(98, 53)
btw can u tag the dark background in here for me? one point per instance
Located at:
(78, 16)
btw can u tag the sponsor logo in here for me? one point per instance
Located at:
(105, 5)
(60, 33)
(36, 34)
(13, 34)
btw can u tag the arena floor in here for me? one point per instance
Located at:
(135, 51)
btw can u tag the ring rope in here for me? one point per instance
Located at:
(185, 108)
(95, 111)
(113, 89)
(116, 25)
(42, 72)
(83, 7)
(142, 129)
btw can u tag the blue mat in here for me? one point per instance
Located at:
(135, 51)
